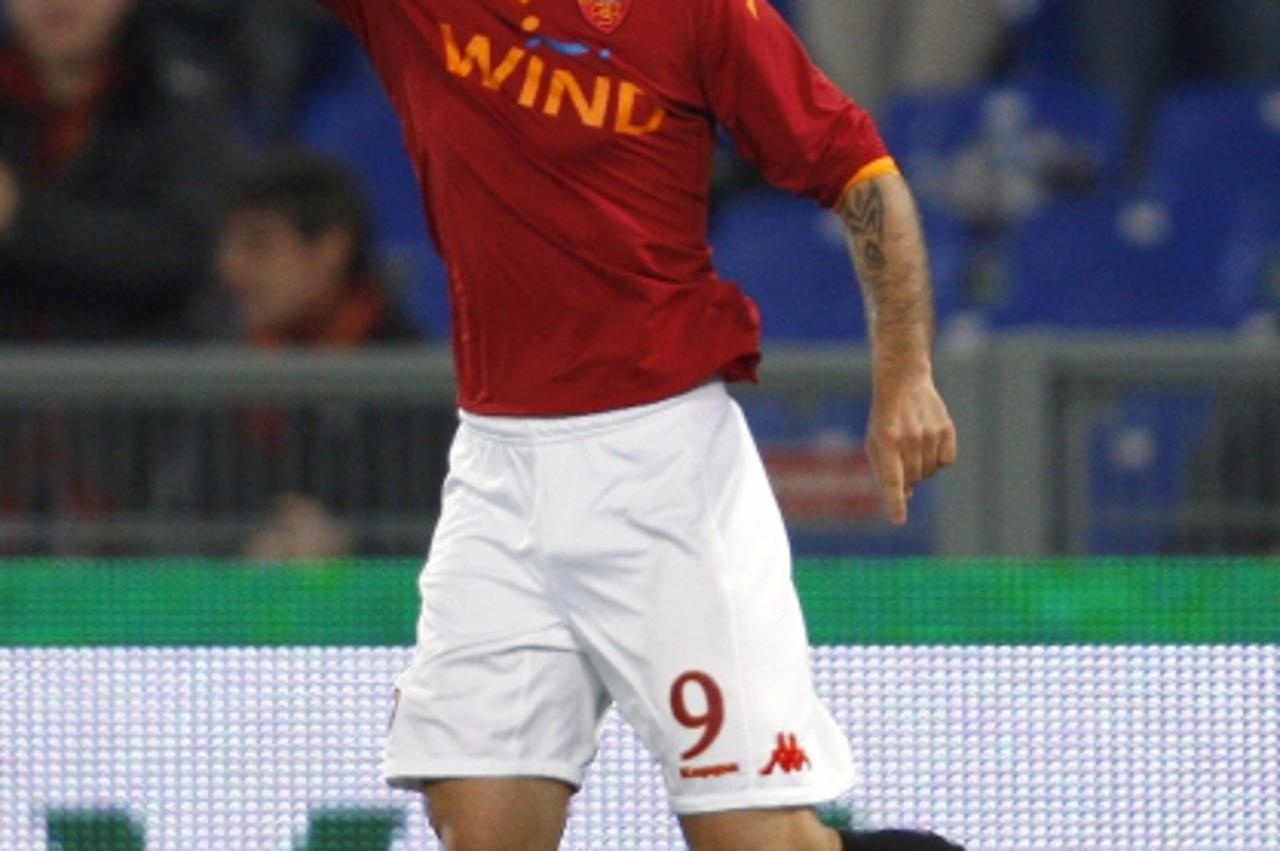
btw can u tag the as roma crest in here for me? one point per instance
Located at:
(605, 15)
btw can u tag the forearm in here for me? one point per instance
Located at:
(910, 435)
(887, 245)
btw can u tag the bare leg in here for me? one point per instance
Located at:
(796, 829)
(792, 829)
(498, 814)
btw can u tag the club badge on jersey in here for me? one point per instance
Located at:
(605, 15)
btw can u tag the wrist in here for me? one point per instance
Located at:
(892, 377)
(902, 364)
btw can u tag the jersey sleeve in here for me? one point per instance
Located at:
(787, 117)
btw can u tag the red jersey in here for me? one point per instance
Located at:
(564, 149)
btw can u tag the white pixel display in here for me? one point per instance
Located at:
(1091, 747)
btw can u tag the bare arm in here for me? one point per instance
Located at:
(910, 435)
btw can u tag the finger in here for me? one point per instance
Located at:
(888, 469)
(948, 451)
(929, 449)
(908, 449)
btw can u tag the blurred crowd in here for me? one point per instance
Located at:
(144, 195)
(173, 170)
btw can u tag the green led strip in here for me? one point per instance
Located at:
(1149, 601)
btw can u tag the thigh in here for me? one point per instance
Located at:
(792, 828)
(498, 814)
(675, 574)
(497, 686)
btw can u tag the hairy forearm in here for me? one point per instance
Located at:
(887, 245)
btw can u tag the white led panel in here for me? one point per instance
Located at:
(1073, 748)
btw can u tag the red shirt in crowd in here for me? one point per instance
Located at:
(564, 149)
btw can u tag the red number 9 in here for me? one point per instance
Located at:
(710, 721)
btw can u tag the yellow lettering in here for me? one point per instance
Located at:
(624, 121)
(478, 53)
(477, 56)
(592, 114)
(532, 80)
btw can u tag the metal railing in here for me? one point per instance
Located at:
(1168, 445)
(1069, 445)
(192, 450)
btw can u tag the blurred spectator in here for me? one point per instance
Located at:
(265, 52)
(301, 528)
(875, 48)
(275, 40)
(107, 158)
(1141, 47)
(296, 259)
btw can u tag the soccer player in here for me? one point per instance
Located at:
(608, 532)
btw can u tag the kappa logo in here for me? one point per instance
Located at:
(787, 757)
(605, 15)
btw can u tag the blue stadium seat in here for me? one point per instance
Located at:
(790, 256)
(1217, 140)
(925, 129)
(351, 119)
(1207, 262)
(991, 156)
(948, 246)
(1113, 262)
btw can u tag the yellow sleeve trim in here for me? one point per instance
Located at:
(876, 168)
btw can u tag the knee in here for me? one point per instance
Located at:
(497, 815)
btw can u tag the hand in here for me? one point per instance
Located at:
(909, 438)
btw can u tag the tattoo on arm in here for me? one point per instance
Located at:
(888, 253)
(864, 211)
(864, 216)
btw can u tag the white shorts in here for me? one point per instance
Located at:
(636, 556)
